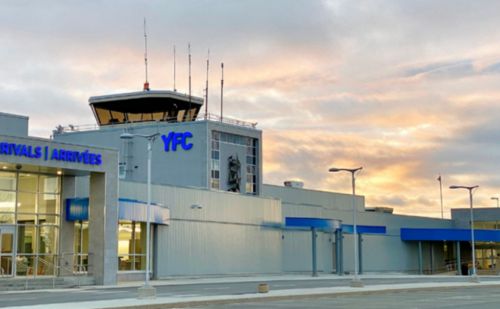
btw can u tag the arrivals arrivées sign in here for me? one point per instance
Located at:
(50, 154)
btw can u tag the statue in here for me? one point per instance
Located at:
(234, 177)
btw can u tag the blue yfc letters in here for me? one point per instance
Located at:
(173, 139)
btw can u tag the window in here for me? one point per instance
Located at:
(131, 246)
(31, 201)
(250, 162)
(215, 161)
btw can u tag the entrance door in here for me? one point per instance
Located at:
(6, 250)
(81, 247)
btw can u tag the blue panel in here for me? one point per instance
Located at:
(77, 209)
(133, 210)
(312, 222)
(364, 229)
(410, 234)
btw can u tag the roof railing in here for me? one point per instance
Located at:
(201, 117)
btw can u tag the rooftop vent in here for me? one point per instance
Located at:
(385, 210)
(294, 184)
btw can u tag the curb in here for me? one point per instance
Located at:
(263, 298)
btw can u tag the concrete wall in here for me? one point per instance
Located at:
(190, 168)
(214, 232)
(13, 125)
(461, 216)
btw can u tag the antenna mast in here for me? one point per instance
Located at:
(146, 84)
(206, 86)
(222, 92)
(189, 56)
(175, 89)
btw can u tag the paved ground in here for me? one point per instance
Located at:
(470, 297)
(223, 290)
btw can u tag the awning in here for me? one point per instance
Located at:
(132, 210)
(412, 234)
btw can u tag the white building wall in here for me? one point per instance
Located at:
(214, 232)
(381, 253)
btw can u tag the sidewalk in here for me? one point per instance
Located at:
(186, 301)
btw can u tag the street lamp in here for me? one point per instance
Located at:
(356, 282)
(497, 199)
(473, 277)
(146, 290)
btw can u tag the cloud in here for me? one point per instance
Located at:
(407, 89)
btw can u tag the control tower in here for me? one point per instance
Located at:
(143, 106)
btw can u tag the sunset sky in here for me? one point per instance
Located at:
(407, 89)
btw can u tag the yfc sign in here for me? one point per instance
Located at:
(50, 154)
(174, 139)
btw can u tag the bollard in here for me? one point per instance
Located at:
(263, 288)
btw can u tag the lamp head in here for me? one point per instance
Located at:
(126, 135)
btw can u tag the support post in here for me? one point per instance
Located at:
(420, 264)
(360, 252)
(314, 266)
(103, 227)
(432, 257)
(338, 252)
(459, 262)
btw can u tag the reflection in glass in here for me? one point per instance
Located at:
(24, 265)
(26, 239)
(7, 181)
(47, 239)
(48, 203)
(6, 265)
(48, 184)
(7, 201)
(27, 182)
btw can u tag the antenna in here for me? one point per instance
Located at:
(222, 92)
(146, 84)
(189, 56)
(175, 89)
(206, 86)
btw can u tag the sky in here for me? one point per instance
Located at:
(408, 90)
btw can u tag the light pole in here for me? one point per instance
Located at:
(146, 291)
(441, 195)
(497, 199)
(498, 206)
(356, 282)
(473, 277)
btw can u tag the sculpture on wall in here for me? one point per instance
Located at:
(234, 177)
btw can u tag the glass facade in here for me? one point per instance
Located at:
(215, 161)
(251, 159)
(131, 245)
(29, 223)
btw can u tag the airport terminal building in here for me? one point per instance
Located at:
(76, 204)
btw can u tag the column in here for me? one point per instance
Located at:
(420, 264)
(314, 262)
(103, 223)
(360, 253)
(339, 252)
(459, 263)
(67, 228)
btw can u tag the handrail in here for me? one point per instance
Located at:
(58, 267)
(201, 117)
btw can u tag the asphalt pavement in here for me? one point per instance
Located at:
(205, 291)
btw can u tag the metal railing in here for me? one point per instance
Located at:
(201, 117)
(60, 268)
